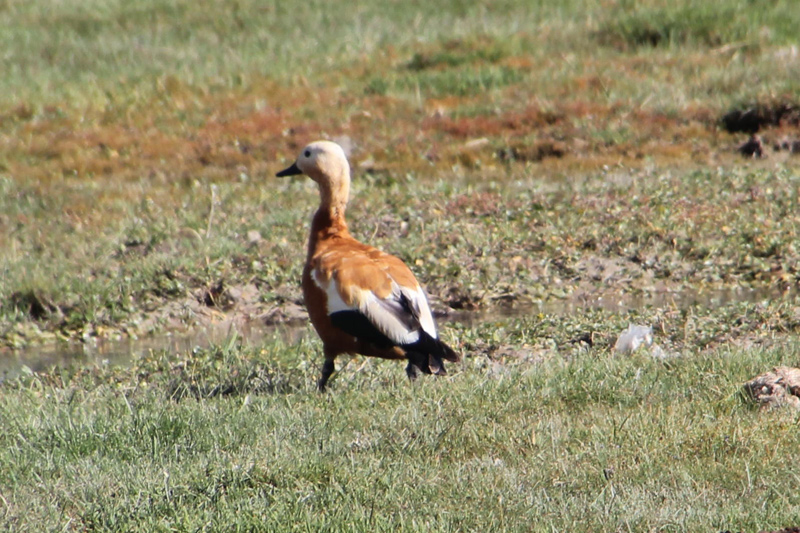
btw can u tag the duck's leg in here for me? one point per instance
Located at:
(411, 371)
(327, 369)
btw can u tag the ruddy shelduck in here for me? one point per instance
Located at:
(360, 299)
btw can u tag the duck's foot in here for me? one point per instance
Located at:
(327, 369)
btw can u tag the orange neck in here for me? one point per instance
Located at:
(327, 223)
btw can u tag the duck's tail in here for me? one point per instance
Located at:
(428, 354)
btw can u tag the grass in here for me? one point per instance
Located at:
(520, 156)
(548, 437)
(656, 24)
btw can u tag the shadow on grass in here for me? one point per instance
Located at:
(257, 381)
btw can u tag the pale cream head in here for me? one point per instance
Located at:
(326, 163)
(324, 160)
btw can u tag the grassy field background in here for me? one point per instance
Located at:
(520, 156)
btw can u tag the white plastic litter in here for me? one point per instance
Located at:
(632, 338)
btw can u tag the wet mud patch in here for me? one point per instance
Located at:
(219, 296)
(221, 305)
(461, 299)
(33, 304)
(287, 312)
(756, 117)
(609, 270)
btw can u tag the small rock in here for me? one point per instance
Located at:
(777, 388)
(476, 143)
(367, 164)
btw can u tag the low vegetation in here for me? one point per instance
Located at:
(552, 172)
(549, 435)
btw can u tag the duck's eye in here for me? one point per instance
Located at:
(307, 153)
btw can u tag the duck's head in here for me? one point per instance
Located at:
(323, 162)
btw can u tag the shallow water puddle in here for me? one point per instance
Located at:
(620, 303)
(123, 351)
(700, 299)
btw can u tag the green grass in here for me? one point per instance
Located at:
(108, 51)
(549, 438)
(635, 24)
(114, 55)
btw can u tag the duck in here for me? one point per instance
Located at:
(360, 300)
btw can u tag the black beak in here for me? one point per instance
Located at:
(291, 171)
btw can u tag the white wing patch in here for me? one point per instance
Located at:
(425, 316)
(335, 302)
(399, 316)
(391, 319)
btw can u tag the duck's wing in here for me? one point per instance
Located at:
(374, 296)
